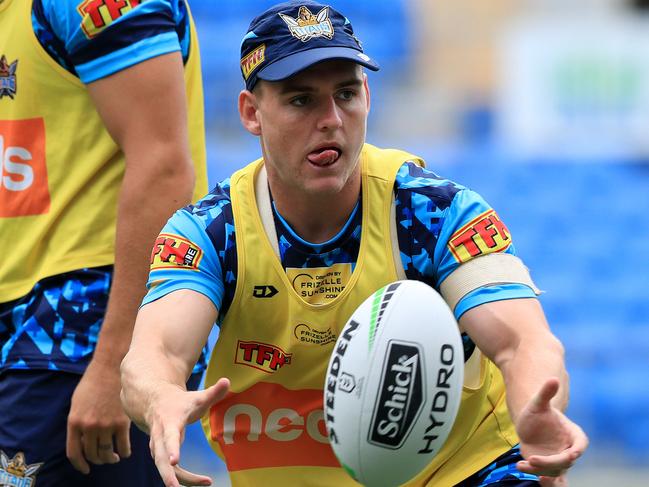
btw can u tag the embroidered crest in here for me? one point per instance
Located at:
(308, 26)
(16, 472)
(7, 77)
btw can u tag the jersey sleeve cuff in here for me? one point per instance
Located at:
(161, 291)
(489, 294)
(129, 56)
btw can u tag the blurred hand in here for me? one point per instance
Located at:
(98, 428)
(550, 442)
(168, 415)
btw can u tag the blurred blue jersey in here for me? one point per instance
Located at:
(95, 38)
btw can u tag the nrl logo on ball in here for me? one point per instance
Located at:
(308, 26)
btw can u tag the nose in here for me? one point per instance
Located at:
(330, 116)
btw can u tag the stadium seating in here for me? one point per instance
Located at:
(381, 25)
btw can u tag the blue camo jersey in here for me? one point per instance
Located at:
(95, 38)
(57, 325)
(440, 225)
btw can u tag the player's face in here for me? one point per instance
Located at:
(312, 128)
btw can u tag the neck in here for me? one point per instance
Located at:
(317, 218)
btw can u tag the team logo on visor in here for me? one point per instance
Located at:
(308, 26)
(7, 77)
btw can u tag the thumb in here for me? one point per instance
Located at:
(205, 399)
(541, 401)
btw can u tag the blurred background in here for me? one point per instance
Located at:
(542, 106)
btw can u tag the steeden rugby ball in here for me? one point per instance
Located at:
(394, 384)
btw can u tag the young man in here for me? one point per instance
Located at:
(95, 157)
(259, 255)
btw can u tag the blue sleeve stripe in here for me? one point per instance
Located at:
(123, 34)
(128, 56)
(165, 290)
(490, 294)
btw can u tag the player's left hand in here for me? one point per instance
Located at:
(550, 442)
(98, 428)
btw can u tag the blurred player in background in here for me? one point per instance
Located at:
(288, 247)
(97, 99)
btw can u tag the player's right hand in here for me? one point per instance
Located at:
(167, 420)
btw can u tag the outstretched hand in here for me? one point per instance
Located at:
(550, 442)
(167, 430)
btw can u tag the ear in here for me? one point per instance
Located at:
(366, 86)
(248, 114)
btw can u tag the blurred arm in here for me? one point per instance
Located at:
(143, 108)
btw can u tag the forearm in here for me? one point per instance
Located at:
(528, 366)
(516, 337)
(146, 376)
(146, 201)
(167, 340)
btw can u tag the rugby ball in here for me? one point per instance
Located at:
(394, 384)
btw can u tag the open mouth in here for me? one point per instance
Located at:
(325, 156)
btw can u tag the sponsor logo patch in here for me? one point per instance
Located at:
(8, 84)
(261, 356)
(172, 252)
(268, 425)
(482, 235)
(402, 395)
(252, 61)
(96, 15)
(319, 285)
(16, 472)
(267, 291)
(308, 26)
(309, 335)
(24, 187)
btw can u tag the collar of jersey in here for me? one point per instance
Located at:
(321, 248)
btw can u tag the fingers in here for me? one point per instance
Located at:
(74, 451)
(165, 449)
(207, 398)
(560, 481)
(123, 442)
(98, 447)
(188, 478)
(95, 445)
(541, 401)
(549, 465)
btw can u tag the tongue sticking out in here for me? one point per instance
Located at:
(324, 157)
